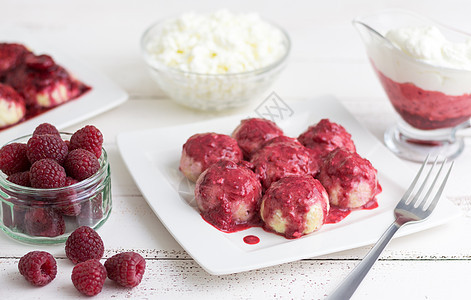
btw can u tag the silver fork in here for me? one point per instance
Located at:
(409, 209)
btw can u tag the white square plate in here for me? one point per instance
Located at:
(103, 96)
(153, 155)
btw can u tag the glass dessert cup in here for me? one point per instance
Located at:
(49, 216)
(433, 102)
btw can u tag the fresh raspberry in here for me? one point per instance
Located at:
(46, 128)
(46, 146)
(88, 138)
(89, 276)
(84, 244)
(13, 158)
(47, 173)
(20, 178)
(44, 222)
(38, 267)
(126, 268)
(69, 181)
(91, 211)
(81, 164)
(67, 198)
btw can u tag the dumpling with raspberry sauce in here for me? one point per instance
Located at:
(326, 136)
(350, 180)
(12, 106)
(228, 195)
(252, 133)
(204, 149)
(280, 157)
(294, 206)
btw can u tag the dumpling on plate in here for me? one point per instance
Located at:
(43, 83)
(12, 106)
(280, 157)
(350, 180)
(252, 133)
(228, 196)
(326, 136)
(204, 149)
(294, 206)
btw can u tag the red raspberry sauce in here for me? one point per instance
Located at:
(423, 109)
(251, 239)
(337, 214)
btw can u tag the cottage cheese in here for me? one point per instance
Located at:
(215, 61)
(218, 43)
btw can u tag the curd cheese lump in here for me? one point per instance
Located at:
(228, 196)
(12, 106)
(326, 136)
(43, 83)
(252, 133)
(280, 157)
(350, 180)
(218, 43)
(204, 149)
(294, 206)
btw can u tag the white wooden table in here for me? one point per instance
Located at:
(327, 58)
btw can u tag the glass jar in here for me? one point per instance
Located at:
(48, 216)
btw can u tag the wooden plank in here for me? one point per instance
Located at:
(171, 279)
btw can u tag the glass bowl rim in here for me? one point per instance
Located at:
(260, 71)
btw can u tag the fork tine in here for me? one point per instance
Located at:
(433, 184)
(440, 190)
(414, 182)
(416, 199)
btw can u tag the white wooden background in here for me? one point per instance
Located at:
(327, 58)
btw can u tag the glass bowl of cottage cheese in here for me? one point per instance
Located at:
(425, 70)
(215, 61)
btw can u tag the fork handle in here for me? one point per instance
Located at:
(346, 289)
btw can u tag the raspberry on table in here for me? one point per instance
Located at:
(44, 222)
(126, 268)
(81, 164)
(46, 146)
(13, 158)
(38, 267)
(84, 244)
(46, 128)
(47, 173)
(89, 276)
(88, 138)
(20, 178)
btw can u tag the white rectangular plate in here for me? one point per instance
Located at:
(103, 96)
(153, 155)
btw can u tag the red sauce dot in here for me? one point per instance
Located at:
(251, 239)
